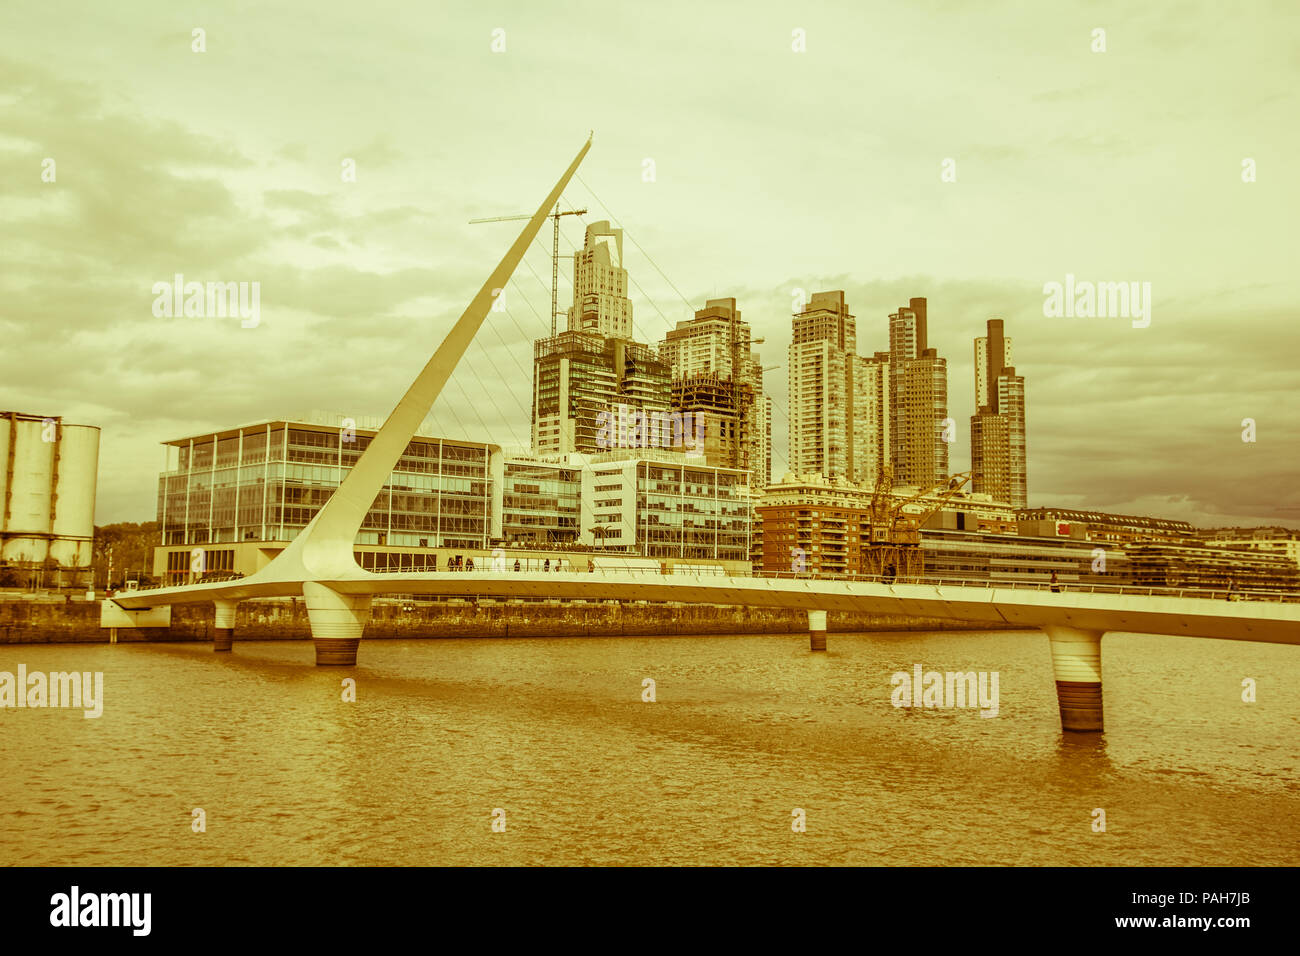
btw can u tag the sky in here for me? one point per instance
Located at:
(738, 164)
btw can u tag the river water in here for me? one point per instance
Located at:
(743, 731)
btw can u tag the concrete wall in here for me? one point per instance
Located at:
(31, 623)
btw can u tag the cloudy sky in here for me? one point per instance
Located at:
(774, 170)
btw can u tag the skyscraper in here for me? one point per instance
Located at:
(1011, 402)
(717, 375)
(998, 446)
(583, 375)
(873, 426)
(600, 301)
(823, 347)
(992, 355)
(919, 399)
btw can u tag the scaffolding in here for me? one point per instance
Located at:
(727, 402)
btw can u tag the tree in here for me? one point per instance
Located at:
(132, 545)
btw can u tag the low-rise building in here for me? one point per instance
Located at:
(1275, 541)
(1020, 559)
(231, 500)
(541, 504)
(1100, 526)
(1218, 568)
(668, 505)
(829, 520)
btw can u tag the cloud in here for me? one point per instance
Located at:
(775, 170)
(138, 200)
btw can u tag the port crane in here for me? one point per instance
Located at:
(893, 547)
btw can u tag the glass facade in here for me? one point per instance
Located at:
(541, 503)
(663, 509)
(266, 482)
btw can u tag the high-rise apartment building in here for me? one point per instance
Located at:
(908, 331)
(873, 426)
(921, 450)
(708, 342)
(600, 301)
(990, 463)
(718, 378)
(1011, 402)
(919, 399)
(823, 347)
(992, 355)
(998, 448)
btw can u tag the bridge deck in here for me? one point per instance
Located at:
(1128, 610)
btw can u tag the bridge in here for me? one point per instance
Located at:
(319, 566)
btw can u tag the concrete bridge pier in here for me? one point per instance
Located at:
(223, 628)
(336, 621)
(817, 630)
(1076, 660)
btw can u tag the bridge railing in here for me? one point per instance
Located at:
(984, 583)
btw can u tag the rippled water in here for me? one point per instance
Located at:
(744, 730)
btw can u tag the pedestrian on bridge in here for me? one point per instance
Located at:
(1054, 584)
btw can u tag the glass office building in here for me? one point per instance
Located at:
(669, 506)
(263, 483)
(541, 503)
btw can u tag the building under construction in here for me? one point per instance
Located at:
(717, 376)
(577, 376)
(716, 401)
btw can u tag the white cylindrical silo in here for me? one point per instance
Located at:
(29, 495)
(73, 522)
(48, 473)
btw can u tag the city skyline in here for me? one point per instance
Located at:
(1133, 420)
(673, 435)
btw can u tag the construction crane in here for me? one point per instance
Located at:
(894, 539)
(555, 251)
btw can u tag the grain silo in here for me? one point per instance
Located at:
(47, 488)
